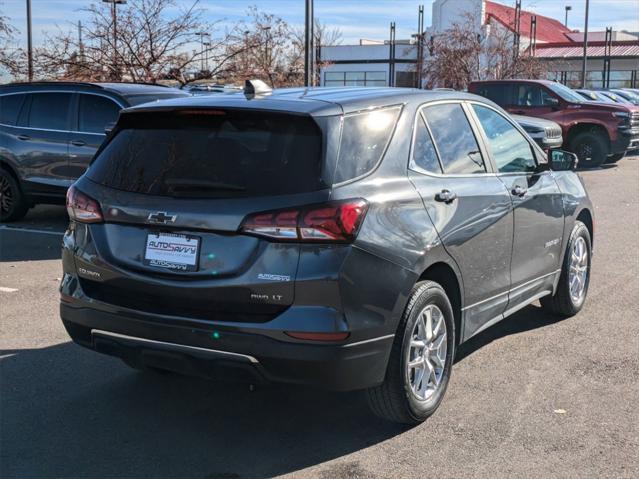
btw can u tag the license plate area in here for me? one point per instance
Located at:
(177, 252)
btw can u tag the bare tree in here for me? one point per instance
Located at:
(273, 51)
(152, 43)
(463, 54)
(9, 53)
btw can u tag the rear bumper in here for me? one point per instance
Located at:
(234, 355)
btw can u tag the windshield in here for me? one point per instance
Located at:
(212, 154)
(566, 93)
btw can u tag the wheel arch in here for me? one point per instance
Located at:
(585, 216)
(587, 127)
(444, 274)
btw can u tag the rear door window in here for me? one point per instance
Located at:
(10, 108)
(455, 140)
(212, 154)
(95, 113)
(500, 93)
(50, 111)
(364, 140)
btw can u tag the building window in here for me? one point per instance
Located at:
(355, 78)
(405, 79)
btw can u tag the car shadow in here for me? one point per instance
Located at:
(529, 318)
(70, 412)
(67, 411)
(18, 244)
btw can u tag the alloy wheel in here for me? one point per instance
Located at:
(426, 355)
(6, 195)
(578, 274)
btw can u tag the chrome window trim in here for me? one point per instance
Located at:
(480, 144)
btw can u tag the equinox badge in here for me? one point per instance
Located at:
(161, 217)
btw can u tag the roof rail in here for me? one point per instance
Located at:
(53, 82)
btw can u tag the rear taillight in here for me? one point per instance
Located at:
(334, 222)
(82, 207)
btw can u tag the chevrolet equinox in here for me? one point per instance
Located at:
(345, 238)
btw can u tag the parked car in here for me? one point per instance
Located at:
(50, 130)
(546, 133)
(592, 95)
(614, 97)
(348, 239)
(209, 89)
(629, 95)
(595, 132)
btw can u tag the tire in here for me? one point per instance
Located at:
(615, 158)
(13, 204)
(395, 399)
(591, 147)
(563, 303)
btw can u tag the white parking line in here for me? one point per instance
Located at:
(3, 289)
(31, 230)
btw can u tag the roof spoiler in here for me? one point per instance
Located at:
(256, 88)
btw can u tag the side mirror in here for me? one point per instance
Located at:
(561, 160)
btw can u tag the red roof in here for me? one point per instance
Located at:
(548, 29)
(595, 49)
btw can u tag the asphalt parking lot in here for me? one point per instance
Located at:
(529, 397)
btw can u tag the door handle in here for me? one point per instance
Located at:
(24, 137)
(78, 143)
(519, 190)
(446, 196)
(519, 112)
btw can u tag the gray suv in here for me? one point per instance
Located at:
(49, 132)
(345, 238)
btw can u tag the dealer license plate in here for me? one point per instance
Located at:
(172, 251)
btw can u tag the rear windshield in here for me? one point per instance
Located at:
(212, 154)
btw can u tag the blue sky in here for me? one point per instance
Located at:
(356, 18)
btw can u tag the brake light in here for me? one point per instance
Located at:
(83, 208)
(334, 222)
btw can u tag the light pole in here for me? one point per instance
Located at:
(568, 8)
(585, 61)
(114, 16)
(29, 43)
(202, 35)
(309, 37)
(206, 55)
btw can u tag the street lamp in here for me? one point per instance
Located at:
(114, 16)
(568, 8)
(202, 35)
(585, 56)
(29, 43)
(206, 55)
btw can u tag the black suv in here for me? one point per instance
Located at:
(50, 130)
(345, 238)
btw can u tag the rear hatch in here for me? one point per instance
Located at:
(174, 189)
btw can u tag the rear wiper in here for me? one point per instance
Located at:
(201, 185)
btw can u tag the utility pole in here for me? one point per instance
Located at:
(585, 60)
(420, 47)
(309, 40)
(80, 45)
(568, 8)
(201, 35)
(114, 16)
(391, 62)
(29, 43)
